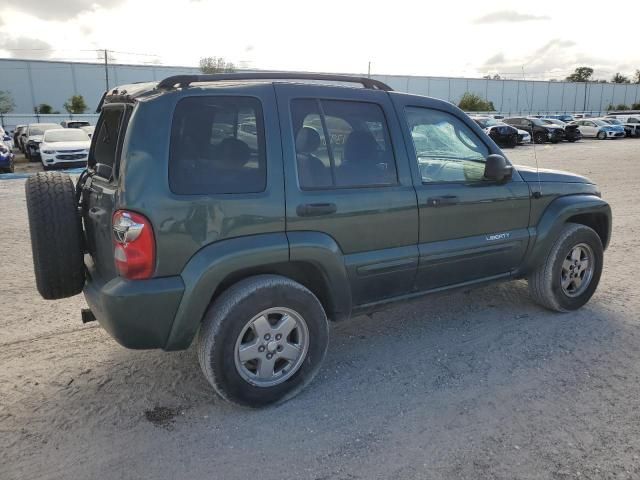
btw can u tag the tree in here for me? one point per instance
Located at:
(43, 108)
(75, 104)
(471, 102)
(636, 76)
(581, 74)
(216, 65)
(619, 78)
(6, 102)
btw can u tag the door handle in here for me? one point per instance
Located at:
(316, 209)
(442, 201)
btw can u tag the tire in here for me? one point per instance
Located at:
(539, 137)
(56, 235)
(221, 336)
(601, 136)
(545, 283)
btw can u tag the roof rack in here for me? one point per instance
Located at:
(184, 81)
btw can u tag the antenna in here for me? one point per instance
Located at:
(537, 194)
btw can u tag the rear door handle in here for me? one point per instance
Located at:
(316, 209)
(442, 201)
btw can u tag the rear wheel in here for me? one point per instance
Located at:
(571, 272)
(539, 137)
(263, 340)
(56, 235)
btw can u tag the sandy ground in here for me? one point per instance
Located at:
(473, 385)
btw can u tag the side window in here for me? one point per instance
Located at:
(106, 138)
(446, 149)
(217, 146)
(341, 144)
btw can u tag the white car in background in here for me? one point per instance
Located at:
(594, 127)
(64, 147)
(89, 129)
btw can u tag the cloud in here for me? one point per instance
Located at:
(555, 43)
(26, 47)
(496, 59)
(51, 10)
(509, 16)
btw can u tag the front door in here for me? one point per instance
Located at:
(348, 179)
(470, 228)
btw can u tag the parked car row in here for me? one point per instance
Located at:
(511, 131)
(55, 145)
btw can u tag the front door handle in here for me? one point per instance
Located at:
(442, 201)
(316, 209)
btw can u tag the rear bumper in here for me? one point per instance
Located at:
(138, 314)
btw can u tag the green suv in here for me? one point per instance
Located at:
(247, 210)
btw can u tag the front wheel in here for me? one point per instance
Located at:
(571, 272)
(602, 135)
(263, 340)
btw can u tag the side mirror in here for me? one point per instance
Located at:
(497, 169)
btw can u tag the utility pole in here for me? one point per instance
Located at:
(584, 105)
(106, 68)
(369, 70)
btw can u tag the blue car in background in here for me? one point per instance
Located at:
(6, 158)
(594, 127)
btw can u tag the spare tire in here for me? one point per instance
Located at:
(56, 235)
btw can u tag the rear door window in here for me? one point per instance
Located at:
(342, 144)
(217, 146)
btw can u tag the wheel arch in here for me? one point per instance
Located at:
(585, 209)
(310, 259)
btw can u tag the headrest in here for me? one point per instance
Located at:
(235, 150)
(360, 147)
(307, 140)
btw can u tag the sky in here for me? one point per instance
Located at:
(538, 40)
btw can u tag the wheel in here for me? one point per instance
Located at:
(571, 272)
(602, 135)
(263, 340)
(539, 137)
(56, 235)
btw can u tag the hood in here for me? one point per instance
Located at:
(556, 127)
(80, 145)
(35, 138)
(530, 174)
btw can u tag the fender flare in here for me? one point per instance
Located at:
(207, 270)
(555, 216)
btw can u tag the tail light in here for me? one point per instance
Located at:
(134, 245)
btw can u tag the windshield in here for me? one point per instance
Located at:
(66, 135)
(613, 122)
(537, 121)
(600, 123)
(40, 129)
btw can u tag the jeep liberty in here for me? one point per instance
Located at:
(244, 211)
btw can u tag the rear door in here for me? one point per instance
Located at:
(347, 177)
(100, 190)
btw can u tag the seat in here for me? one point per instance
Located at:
(362, 163)
(312, 173)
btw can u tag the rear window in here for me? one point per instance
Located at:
(217, 146)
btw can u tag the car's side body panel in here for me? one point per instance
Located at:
(184, 224)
